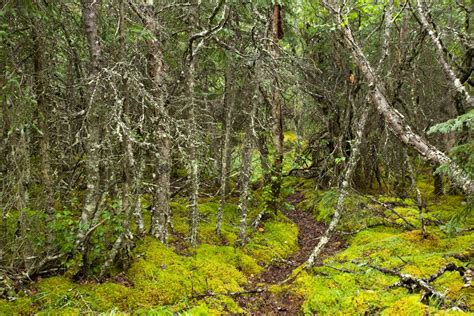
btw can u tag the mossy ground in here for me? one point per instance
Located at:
(343, 286)
(167, 280)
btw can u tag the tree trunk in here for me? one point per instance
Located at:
(343, 190)
(438, 183)
(128, 160)
(419, 200)
(226, 148)
(453, 81)
(193, 158)
(394, 119)
(92, 123)
(245, 173)
(160, 216)
(42, 113)
(276, 103)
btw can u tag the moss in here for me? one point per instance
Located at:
(21, 306)
(341, 293)
(109, 296)
(230, 255)
(277, 240)
(364, 291)
(452, 284)
(162, 277)
(290, 137)
(57, 293)
(408, 305)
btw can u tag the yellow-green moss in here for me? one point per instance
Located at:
(21, 306)
(364, 291)
(278, 240)
(408, 305)
(162, 277)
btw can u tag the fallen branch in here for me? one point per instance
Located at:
(212, 294)
(413, 283)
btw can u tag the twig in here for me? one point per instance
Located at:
(211, 294)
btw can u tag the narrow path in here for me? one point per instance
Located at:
(310, 230)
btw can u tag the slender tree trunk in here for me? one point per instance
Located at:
(246, 172)
(276, 108)
(343, 190)
(136, 203)
(419, 200)
(394, 119)
(128, 160)
(193, 158)
(4, 164)
(226, 150)
(161, 214)
(92, 123)
(438, 183)
(42, 116)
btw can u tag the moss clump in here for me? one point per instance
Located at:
(229, 255)
(20, 306)
(161, 277)
(408, 305)
(277, 240)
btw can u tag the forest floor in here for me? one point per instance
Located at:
(265, 276)
(286, 303)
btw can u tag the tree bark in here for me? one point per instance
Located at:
(93, 195)
(453, 81)
(246, 171)
(226, 148)
(276, 109)
(193, 158)
(42, 113)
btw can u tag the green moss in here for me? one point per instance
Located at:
(364, 291)
(162, 277)
(230, 255)
(408, 305)
(21, 306)
(278, 240)
(452, 284)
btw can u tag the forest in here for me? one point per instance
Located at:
(226, 157)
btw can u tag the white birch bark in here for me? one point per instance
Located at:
(451, 77)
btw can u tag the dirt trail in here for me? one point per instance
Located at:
(310, 230)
